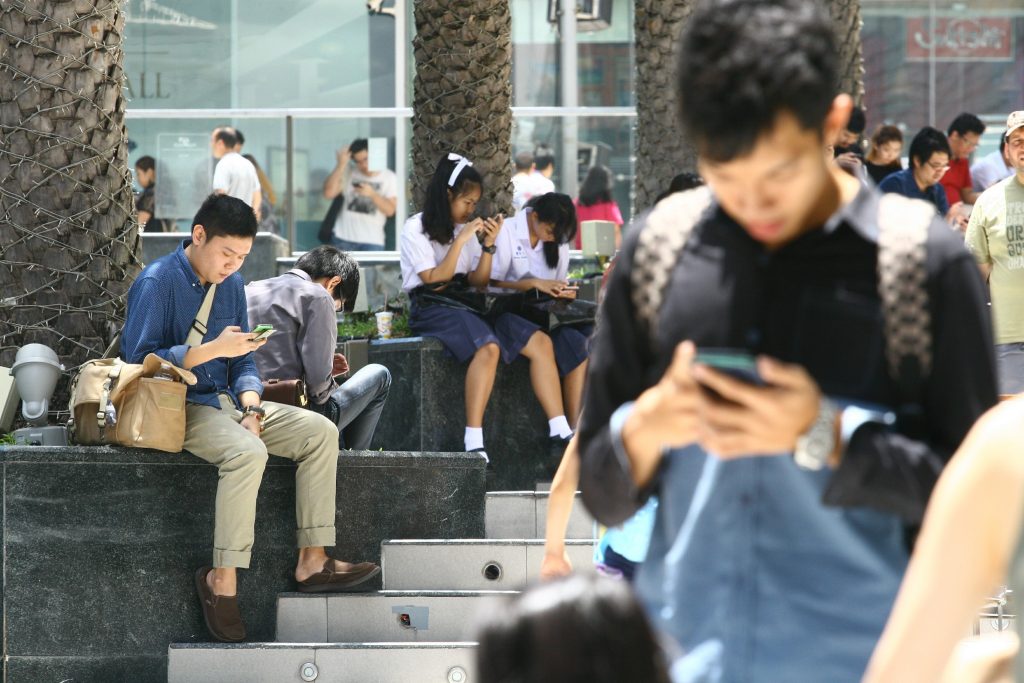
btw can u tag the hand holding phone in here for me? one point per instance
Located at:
(262, 332)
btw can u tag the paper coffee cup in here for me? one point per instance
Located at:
(384, 321)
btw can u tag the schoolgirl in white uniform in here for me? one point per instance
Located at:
(438, 244)
(532, 252)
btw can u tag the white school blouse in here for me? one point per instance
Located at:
(515, 259)
(418, 253)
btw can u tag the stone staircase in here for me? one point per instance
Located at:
(418, 629)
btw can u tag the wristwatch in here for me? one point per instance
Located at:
(814, 447)
(258, 411)
(489, 249)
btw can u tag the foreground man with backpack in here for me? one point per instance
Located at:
(787, 359)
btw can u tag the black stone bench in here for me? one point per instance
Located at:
(100, 546)
(426, 410)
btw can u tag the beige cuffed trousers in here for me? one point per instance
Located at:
(310, 439)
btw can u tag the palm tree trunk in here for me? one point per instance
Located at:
(847, 21)
(662, 150)
(462, 93)
(68, 232)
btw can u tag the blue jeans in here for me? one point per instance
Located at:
(1010, 367)
(345, 245)
(361, 399)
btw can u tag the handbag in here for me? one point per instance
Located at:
(326, 233)
(549, 313)
(291, 392)
(139, 405)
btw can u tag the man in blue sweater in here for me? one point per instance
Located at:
(225, 422)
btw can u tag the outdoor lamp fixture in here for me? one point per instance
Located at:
(36, 371)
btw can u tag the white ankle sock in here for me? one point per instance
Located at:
(474, 438)
(559, 426)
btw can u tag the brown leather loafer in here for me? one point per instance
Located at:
(220, 612)
(329, 581)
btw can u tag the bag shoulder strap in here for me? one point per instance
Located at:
(660, 244)
(903, 288)
(198, 331)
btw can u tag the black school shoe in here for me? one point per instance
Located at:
(490, 475)
(556, 451)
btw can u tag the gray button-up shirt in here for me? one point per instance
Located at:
(305, 331)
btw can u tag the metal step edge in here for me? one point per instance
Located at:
(399, 645)
(400, 593)
(521, 494)
(483, 541)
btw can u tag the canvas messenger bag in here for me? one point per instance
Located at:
(128, 404)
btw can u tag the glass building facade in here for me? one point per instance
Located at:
(301, 79)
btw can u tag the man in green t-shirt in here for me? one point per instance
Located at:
(995, 236)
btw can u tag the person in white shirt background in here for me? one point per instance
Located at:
(234, 175)
(992, 167)
(371, 197)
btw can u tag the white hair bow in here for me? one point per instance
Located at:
(463, 163)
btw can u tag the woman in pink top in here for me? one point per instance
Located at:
(596, 203)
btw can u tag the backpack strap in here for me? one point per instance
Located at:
(903, 287)
(198, 331)
(660, 244)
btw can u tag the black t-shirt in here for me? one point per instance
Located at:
(878, 172)
(146, 201)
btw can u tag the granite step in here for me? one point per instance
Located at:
(523, 514)
(386, 616)
(321, 662)
(471, 565)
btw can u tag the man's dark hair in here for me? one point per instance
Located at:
(558, 210)
(858, 122)
(146, 163)
(742, 63)
(224, 216)
(543, 158)
(597, 186)
(681, 183)
(437, 208)
(1002, 142)
(885, 134)
(524, 161)
(227, 136)
(927, 142)
(328, 261)
(359, 145)
(239, 138)
(966, 123)
(601, 631)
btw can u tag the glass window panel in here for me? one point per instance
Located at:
(926, 62)
(258, 53)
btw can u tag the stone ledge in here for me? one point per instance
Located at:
(101, 544)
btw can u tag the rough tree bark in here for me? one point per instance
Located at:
(68, 232)
(662, 150)
(462, 93)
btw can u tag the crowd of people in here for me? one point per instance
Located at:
(760, 414)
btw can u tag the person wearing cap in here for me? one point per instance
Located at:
(995, 236)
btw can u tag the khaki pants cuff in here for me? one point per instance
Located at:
(231, 558)
(316, 537)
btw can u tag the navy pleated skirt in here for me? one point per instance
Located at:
(572, 346)
(462, 332)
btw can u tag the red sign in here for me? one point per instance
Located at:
(982, 39)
